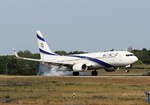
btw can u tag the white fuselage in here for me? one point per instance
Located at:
(97, 60)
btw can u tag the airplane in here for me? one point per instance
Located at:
(110, 60)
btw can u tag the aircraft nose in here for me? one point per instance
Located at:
(135, 59)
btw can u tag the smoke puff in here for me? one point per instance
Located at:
(45, 70)
(53, 71)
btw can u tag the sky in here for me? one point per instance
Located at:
(70, 25)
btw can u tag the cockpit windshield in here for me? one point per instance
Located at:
(129, 54)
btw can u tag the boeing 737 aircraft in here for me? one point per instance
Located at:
(110, 60)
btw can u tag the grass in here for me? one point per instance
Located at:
(36, 90)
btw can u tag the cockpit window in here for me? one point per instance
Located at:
(129, 54)
(108, 55)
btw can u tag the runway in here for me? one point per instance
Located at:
(113, 76)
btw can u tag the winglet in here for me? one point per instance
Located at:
(15, 52)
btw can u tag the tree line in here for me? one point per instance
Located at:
(11, 66)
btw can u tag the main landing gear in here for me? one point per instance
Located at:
(75, 73)
(94, 73)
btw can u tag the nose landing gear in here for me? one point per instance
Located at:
(127, 70)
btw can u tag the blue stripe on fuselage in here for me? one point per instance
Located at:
(45, 52)
(95, 60)
(83, 57)
(40, 38)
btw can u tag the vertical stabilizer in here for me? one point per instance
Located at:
(44, 49)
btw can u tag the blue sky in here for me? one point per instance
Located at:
(87, 25)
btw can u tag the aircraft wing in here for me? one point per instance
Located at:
(39, 60)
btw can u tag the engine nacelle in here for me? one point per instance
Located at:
(111, 69)
(79, 67)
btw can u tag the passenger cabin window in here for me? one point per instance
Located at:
(129, 55)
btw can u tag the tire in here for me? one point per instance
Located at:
(75, 73)
(127, 71)
(94, 73)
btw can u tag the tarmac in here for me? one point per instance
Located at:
(109, 76)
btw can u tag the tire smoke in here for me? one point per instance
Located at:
(52, 70)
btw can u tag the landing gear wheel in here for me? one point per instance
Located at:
(127, 71)
(94, 73)
(75, 73)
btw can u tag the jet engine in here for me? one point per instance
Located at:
(79, 67)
